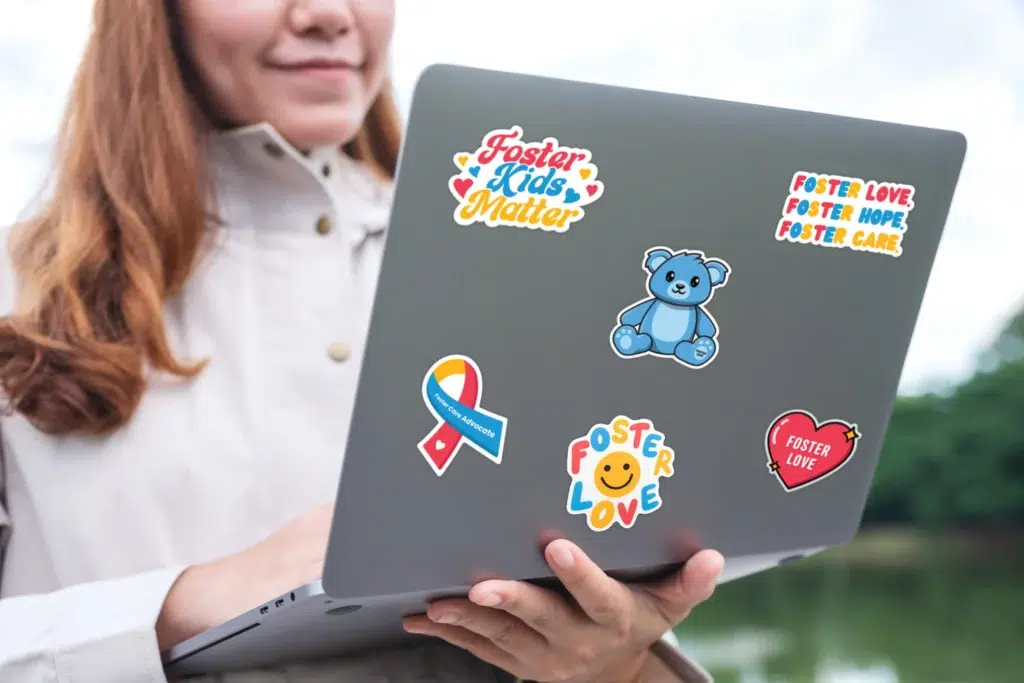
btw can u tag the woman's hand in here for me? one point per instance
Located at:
(207, 595)
(536, 635)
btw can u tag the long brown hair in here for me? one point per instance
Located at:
(123, 227)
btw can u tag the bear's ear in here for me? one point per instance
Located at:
(718, 271)
(655, 257)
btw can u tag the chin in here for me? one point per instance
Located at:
(320, 129)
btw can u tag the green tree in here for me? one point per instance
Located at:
(959, 459)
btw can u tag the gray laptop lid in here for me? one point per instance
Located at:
(773, 429)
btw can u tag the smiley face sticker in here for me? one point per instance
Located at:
(617, 475)
(615, 472)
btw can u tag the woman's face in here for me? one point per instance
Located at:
(311, 68)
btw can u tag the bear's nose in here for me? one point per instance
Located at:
(679, 286)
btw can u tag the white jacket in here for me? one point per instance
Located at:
(101, 528)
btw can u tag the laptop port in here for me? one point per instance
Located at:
(344, 609)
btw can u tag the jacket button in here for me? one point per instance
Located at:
(338, 352)
(274, 150)
(324, 225)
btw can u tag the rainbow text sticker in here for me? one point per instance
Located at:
(536, 185)
(616, 470)
(846, 213)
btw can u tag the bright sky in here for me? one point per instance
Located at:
(941, 63)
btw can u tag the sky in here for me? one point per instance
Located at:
(938, 63)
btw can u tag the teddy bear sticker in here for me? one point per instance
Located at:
(673, 322)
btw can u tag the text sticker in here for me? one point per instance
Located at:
(616, 469)
(452, 390)
(672, 320)
(836, 211)
(802, 451)
(538, 185)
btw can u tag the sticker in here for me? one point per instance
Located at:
(459, 420)
(673, 322)
(802, 451)
(846, 213)
(536, 185)
(616, 470)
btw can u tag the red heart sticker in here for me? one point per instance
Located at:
(461, 185)
(802, 451)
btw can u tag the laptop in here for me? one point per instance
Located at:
(645, 322)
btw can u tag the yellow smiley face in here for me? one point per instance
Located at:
(617, 474)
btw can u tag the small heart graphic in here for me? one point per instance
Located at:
(571, 196)
(584, 173)
(462, 185)
(474, 170)
(462, 159)
(439, 445)
(592, 189)
(802, 451)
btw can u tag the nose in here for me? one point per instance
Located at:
(679, 286)
(328, 18)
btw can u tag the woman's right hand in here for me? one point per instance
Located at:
(207, 595)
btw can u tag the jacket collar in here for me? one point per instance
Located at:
(256, 175)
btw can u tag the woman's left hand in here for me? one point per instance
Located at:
(536, 635)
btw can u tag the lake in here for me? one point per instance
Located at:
(844, 621)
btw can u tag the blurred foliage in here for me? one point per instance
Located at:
(958, 460)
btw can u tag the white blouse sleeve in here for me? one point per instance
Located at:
(100, 632)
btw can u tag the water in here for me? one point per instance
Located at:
(809, 623)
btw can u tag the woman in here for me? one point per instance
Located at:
(184, 325)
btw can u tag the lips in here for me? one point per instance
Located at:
(318, 64)
(617, 488)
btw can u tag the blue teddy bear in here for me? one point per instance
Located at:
(673, 322)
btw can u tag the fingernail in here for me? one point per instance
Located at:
(562, 556)
(447, 618)
(489, 600)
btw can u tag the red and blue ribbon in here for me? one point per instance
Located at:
(460, 420)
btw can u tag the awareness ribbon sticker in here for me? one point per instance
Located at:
(459, 419)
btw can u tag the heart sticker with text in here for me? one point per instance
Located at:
(802, 451)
